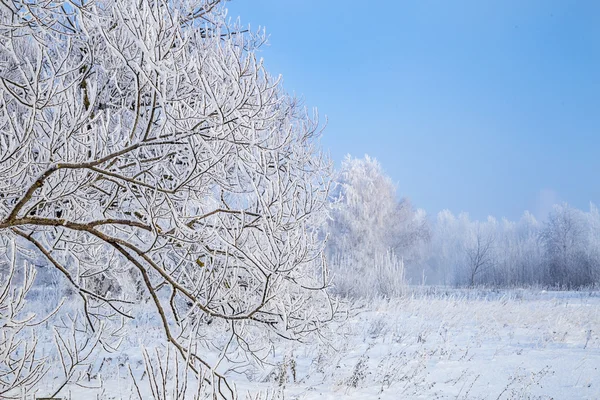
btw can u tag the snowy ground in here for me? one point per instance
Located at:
(445, 344)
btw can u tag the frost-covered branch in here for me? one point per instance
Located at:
(147, 154)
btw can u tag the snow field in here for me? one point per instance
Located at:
(446, 345)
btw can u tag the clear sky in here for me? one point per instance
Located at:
(489, 107)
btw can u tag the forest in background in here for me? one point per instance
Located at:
(377, 242)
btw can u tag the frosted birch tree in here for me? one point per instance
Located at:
(145, 152)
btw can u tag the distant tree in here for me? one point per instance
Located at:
(518, 254)
(411, 231)
(571, 240)
(592, 250)
(367, 223)
(444, 249)
(480, 250)
(144, 141)
(364, 209)
(563, 237)
(529, 264)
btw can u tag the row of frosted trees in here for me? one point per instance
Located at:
(376, 242)
(563, 251)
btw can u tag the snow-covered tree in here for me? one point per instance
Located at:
(369, 227)
(592, 250)
(480, 249)
(364, 208)
(145, 142)
(520, 253)
(569, 241)
(445, 252)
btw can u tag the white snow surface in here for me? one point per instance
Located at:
(432, 344)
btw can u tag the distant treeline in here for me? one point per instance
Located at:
(562, 252)
(376, 241)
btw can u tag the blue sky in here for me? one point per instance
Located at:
(487, 107)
